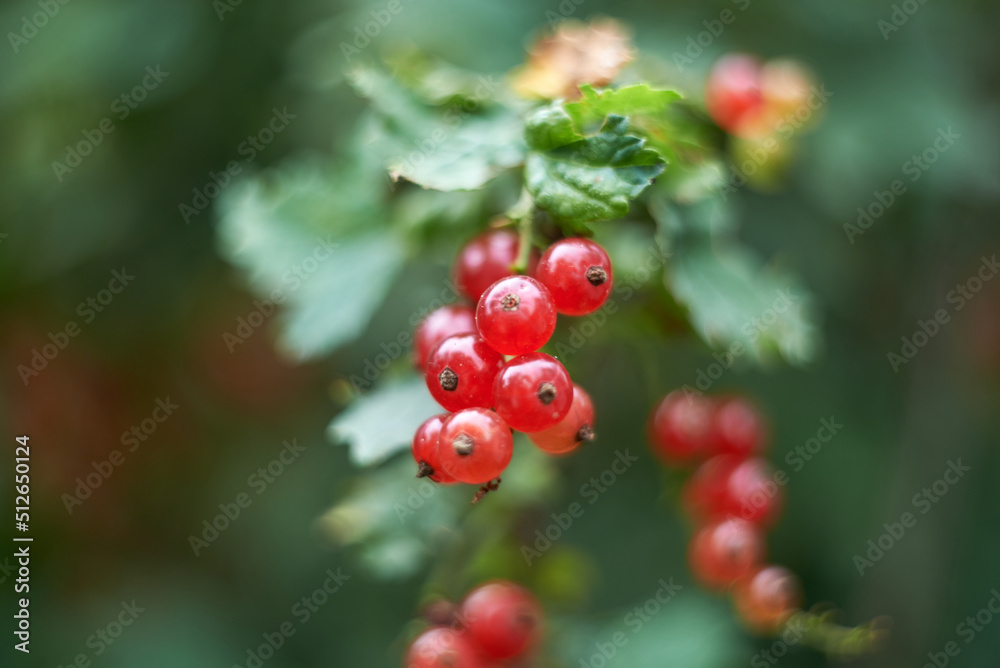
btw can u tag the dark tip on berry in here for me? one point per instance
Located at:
(547, 393)
(448, 380)
(586, 434)
(425, 470)
(526, 619)
(463, 444)
(510, 302)
(596, 275)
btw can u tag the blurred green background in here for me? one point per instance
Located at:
(224, 70)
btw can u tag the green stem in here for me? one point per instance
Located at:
(522, 214)
(818, 630)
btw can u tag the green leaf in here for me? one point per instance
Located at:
(381, 423)
(550, 127)
(441, 147)
(592, 178)
(732, 298)
(395, 520)
(633, 100)
(688, 630)
(304, 236)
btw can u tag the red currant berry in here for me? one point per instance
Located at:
(723, 552)
(425, 450)
(574, 429)
(443, 648)
(679, 428)
(486, 259)
(726, 486)
(577, 273)
(503, 619)
(737, 428)
(475, 446)
(533, 392)
(767, 597)
(460, 372)
(516, 315)
(733, 91)
(438, 326)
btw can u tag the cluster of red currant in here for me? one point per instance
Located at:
(750, 99)
(497, 624)
(482, 365)
(732, 497)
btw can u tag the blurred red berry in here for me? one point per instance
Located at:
(767, 597)
(502, 618)
(486, 259)
(679, 428)
(722, 552)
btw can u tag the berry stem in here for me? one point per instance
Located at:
(818, 630)
(522, 214)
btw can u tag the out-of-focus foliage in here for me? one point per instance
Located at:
(892, 92)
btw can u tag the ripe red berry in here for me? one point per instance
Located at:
(727, 486)
(486, 259)
(533, 392)
(443, 647)
(679, 428)
(475, 446)
(737, 428)
(577, 273)
(516, 315)
(460, 372)
(733, 93)
(425, 450)
(574, 429)
(438, 326)
(502, 618)
(767, 597)
(723, 552)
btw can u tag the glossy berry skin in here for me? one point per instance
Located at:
(516, 315)
(732, 94)
(475, 446)
(727, 486)
(679, 428)
(438, 326)
(577, 273)
(460, 372)
(425, 450)
(723, 552)
(767, 597)
(443, 647)
(737, 428)
(503, 619)
(533, 392)
(570, 432)
(486, 259)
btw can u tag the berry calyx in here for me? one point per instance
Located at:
(425, 450)
(573, 430)
(486, 259)
(516, 315)
(577, 273)
(442, 647)
(767, 597)
(679, 428)
(474, 446)
(438, 326)
(732, 94)
(737, 428)
(727, 486)
(502, 618)
(460, 372)
(532, 392)
(722, 552)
